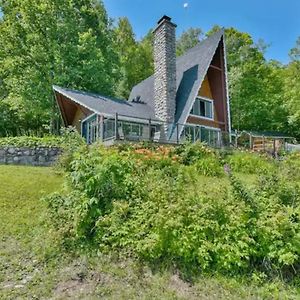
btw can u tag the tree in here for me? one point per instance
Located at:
(292, 89)
(48, 42)
(187, 40)
(136, 60)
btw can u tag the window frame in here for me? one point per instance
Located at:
(212, 108)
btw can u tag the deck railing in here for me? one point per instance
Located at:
(122, 128)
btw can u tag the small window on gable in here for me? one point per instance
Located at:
(203, 108)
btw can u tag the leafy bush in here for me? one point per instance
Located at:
(31, 141)
(189, 153)
(147, 202)
(250, 163)
(209, 166)
(291, 165)
(70, 141)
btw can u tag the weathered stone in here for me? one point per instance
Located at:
(39, 156)
(11, 150)
(52, 152)
(42, 159)
(165, 70)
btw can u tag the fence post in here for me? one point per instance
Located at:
(264, 143)
(236, 138)
(177, 133)
(251, 142)
(116, 127)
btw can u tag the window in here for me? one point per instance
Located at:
(210, 136)
(203, 108)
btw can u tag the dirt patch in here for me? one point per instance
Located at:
(182, 289)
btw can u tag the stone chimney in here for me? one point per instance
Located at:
(165, 69)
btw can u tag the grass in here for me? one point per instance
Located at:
(34, 266)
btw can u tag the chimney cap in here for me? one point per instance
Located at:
(164, 18)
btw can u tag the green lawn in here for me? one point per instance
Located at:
(32, 266)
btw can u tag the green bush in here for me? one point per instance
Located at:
(291, 165)
(71, 142)
(31, 141)
(209, 166)
(146, 202)
(189, 153)
(250, 163)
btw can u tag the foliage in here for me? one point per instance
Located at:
(84, 50)
(189, 153)
(31, 141)
(250, 163)
(292, 89)
(69, 140)
(150, 202)
(32, 263)
(187, 40)
(9, 120)
(65, 43)
(136, 61)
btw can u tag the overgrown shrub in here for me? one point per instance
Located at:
(70, 141)
(147, 202)
(291, 165)
(31, 141)
(209, 166)
(189, 153)
(250, 163)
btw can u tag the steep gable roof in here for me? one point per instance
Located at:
(191, 69)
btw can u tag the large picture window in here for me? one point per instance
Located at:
(203, 108)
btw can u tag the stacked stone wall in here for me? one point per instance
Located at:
(35, 156)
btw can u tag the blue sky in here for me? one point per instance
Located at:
(277, 22)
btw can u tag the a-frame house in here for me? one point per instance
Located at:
(185, 98)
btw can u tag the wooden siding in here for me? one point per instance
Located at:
(79, 116)
(205, 90)
(213, 87)
(71, 112)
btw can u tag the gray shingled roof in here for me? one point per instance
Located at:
(191, 70)
(108, 105)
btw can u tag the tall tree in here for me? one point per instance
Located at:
(188, 39)
(47, 42)
(136, 60)
(292, 89)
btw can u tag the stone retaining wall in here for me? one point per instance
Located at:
(36, 156)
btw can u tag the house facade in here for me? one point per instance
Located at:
(185, 98)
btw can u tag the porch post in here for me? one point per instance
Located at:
(97, 127)
(116, 127)
(177, 133)
(101, 128)
(150, 130)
